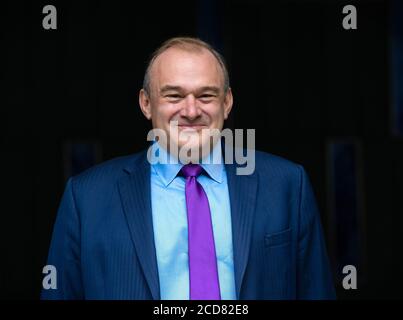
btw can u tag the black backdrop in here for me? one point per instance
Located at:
(298, 78)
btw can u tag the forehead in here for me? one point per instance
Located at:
(185, 68)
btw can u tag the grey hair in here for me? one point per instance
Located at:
(188, 44)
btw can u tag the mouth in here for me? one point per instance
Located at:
(191, 127)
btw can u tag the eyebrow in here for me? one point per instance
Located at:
(170, 88)
(180, 89)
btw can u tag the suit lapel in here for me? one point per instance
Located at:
(242, 192)
(136, 199)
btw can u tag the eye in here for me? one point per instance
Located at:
(173, 97)
(206, 97)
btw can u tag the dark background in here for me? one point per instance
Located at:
(298, 78)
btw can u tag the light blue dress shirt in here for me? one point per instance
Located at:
(171, 231)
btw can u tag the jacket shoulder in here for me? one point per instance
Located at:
(269, 165)
(109, 170)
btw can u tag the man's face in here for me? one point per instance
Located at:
(187, 87)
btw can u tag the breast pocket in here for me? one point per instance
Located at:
(277, 257)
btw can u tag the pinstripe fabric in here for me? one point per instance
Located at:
(103, 248)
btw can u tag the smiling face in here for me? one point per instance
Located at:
(187, 87)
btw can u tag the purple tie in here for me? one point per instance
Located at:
(204, 284)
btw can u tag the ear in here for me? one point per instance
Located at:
(228, 100)
(145, 104)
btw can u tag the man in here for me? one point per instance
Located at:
(136, 228)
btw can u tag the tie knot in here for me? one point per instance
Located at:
(191, 170)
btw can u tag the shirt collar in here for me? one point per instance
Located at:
(168, 171)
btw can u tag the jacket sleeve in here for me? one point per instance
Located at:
(64, 253)
(314, 278)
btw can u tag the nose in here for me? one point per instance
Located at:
(190, 109)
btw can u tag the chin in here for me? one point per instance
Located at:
(190, 145)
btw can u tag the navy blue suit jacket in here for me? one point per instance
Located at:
(103, 242)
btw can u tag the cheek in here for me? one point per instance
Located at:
(216, 114)
(162, 114)
(212, 108)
